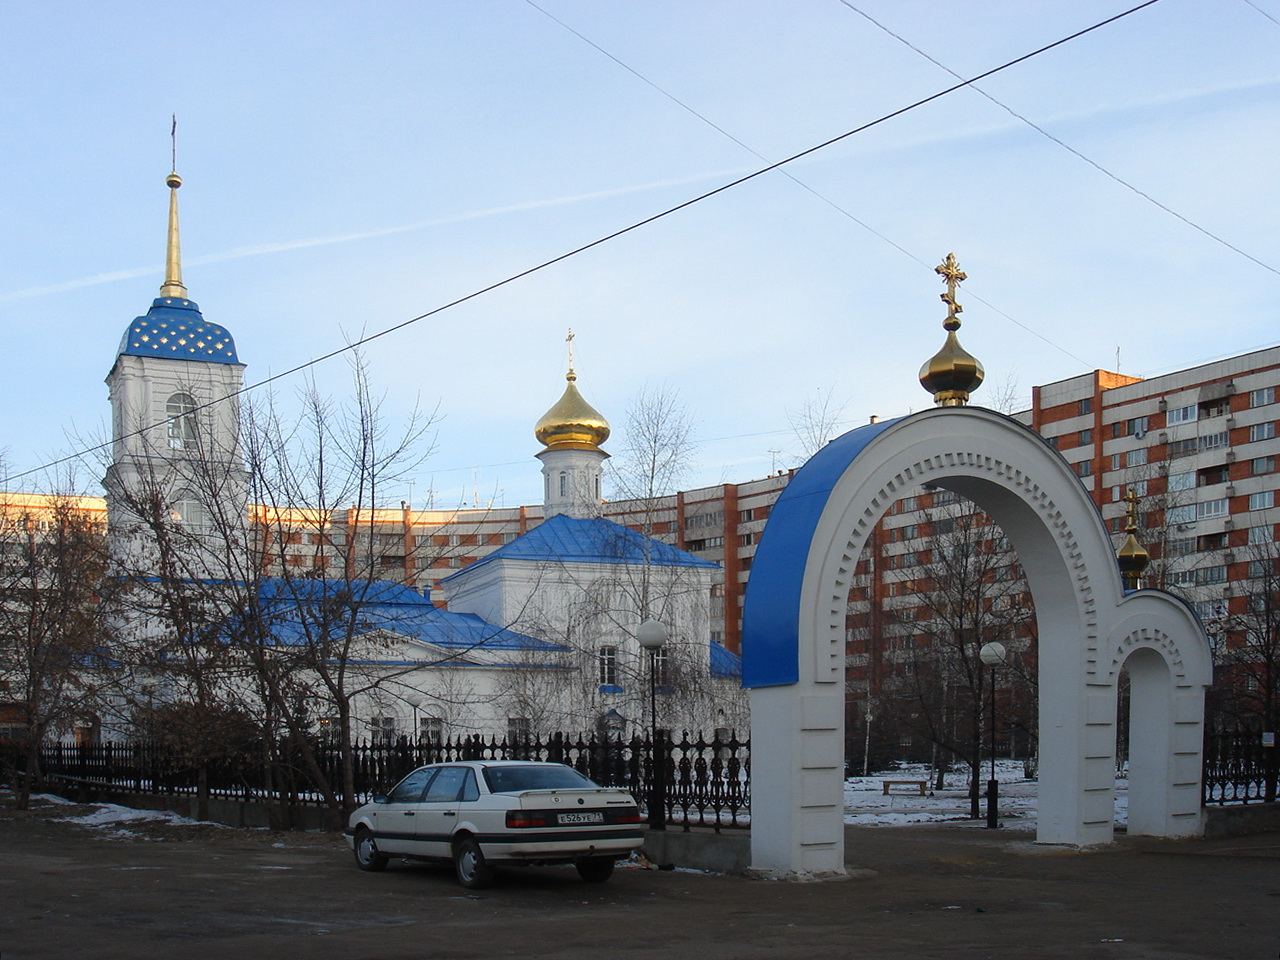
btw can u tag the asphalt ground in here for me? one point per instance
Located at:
(953, 891)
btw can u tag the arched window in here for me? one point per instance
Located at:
(564, 484)
(181, 411)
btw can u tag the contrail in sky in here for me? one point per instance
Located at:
(284, 246)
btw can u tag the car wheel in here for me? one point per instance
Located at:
(595, 869)
(470, 866)
(366, 851)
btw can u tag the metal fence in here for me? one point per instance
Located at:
(1238, 768)
(702, 782)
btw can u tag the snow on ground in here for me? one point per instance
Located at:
(114, 820)
(865, 804)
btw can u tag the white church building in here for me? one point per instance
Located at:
(535, 637)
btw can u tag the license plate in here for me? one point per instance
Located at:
(590, 816)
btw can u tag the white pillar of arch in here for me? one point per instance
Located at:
(794, 636)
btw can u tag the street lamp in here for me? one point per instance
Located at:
(652, 635)
(414, 699)
(992, 654)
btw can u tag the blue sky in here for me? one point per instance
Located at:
(349, 168)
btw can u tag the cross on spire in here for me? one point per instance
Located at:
(951, 273)
(569, 340)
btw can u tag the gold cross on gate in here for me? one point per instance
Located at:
(950, 271)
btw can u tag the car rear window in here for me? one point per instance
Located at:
(548, 777)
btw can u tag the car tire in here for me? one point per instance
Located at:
(469, 864)
(595, 869)
(366, 851)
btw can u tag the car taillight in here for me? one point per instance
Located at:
(526, 818)
(630, 815)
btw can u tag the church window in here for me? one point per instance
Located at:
(564, 484)
(189, 512)
(181, 412)
(608, 663)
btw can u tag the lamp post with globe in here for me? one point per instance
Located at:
(652, 635)
(992, 655)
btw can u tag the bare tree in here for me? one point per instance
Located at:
(967, 589)
(53, 633)
(816, 422)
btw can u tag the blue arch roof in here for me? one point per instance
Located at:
(174, 328)
(770, 610)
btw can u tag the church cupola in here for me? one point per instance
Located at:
(572, 461)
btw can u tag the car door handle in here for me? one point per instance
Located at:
(411, 813)
(450, 813)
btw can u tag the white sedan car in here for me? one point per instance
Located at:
(481, 813)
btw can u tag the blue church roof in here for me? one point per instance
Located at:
(298, 607)
(569, 540)
(724, 662)
(174, 328)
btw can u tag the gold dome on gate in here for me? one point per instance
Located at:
(952, 373)
(572, 423)
(1132, 556)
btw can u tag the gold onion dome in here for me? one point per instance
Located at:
(1132, 556)
(952, 373)
(572, 424)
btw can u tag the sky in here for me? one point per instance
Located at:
(350, 167)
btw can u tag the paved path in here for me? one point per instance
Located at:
(919, 892)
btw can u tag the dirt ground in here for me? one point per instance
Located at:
(953, 891)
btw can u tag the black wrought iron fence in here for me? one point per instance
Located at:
(1239, 767)
(704, 782)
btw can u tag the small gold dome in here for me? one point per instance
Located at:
(572, 423)
(1132, 556)
(952, 373)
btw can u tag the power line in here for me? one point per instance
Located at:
(599, 241)
(1065, 146)
(797, 181)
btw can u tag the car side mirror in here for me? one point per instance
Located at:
(379, 798)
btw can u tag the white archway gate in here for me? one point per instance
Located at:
(794, 637)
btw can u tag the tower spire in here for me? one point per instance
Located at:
(172, 286)
(570, 376)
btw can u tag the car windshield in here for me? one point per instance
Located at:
(551, 776)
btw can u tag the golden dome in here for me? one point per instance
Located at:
(952, 373)
(1132, 556)
(572, 423)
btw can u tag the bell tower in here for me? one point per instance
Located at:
(175, 417)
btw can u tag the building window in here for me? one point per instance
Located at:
(189, 512)
(1215, 440)
(1083, 437)
(431, 729)
(1117, 461)
(519, 729)
(717, 589)
(1259, 535)
(1263, 397)
(1262, 501)
(1180, 547)
(1137, 457)
(1084, 407)
(382, 729)
(1207, 576)
(1262, 465)
(607, 660)
(1084, 468)
(1262, 431)
(181, 411)
(1052, 441)
(564, 484)
(1183, 414)
(1259, 569)
(1210, 509)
